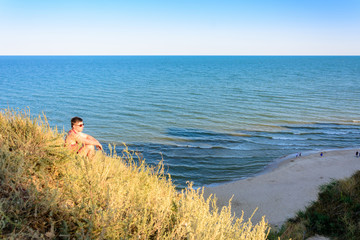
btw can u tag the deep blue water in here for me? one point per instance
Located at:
(211, 118)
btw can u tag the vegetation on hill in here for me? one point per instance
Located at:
(48, 192)
(335, 214)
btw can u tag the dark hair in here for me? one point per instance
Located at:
(75, 120)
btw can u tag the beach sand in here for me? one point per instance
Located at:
(280, 193)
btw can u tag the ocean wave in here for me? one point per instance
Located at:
(288, 138)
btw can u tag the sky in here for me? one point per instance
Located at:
(180, 27)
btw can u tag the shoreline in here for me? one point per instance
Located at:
(285, 159)
(287, 186)
(280, 161)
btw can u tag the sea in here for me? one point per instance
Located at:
(210, 119)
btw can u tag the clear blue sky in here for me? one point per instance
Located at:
(180, 27)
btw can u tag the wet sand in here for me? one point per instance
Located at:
(280, 193)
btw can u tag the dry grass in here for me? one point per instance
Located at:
(49, 192)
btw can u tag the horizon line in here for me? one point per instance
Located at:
(176, 55)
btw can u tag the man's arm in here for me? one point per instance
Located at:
(89, 140)
(97, 143)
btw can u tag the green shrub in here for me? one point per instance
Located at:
(336, 213)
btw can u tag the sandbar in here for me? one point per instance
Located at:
(280, 193)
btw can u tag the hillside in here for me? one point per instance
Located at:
(49, 192)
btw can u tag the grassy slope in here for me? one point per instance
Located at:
(48, 192)
(336, 213)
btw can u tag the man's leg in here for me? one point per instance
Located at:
(87, 150)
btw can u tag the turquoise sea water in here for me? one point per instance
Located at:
(211, 118)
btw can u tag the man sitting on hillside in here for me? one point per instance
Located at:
(80, 142)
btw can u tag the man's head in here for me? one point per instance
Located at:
(77, 123)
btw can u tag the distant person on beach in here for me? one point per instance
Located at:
(80, 142)
(357, 153)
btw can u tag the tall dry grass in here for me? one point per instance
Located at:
(48, 192)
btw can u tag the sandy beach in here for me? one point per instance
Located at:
(280, 193)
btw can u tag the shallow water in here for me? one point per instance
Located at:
(212, 119)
